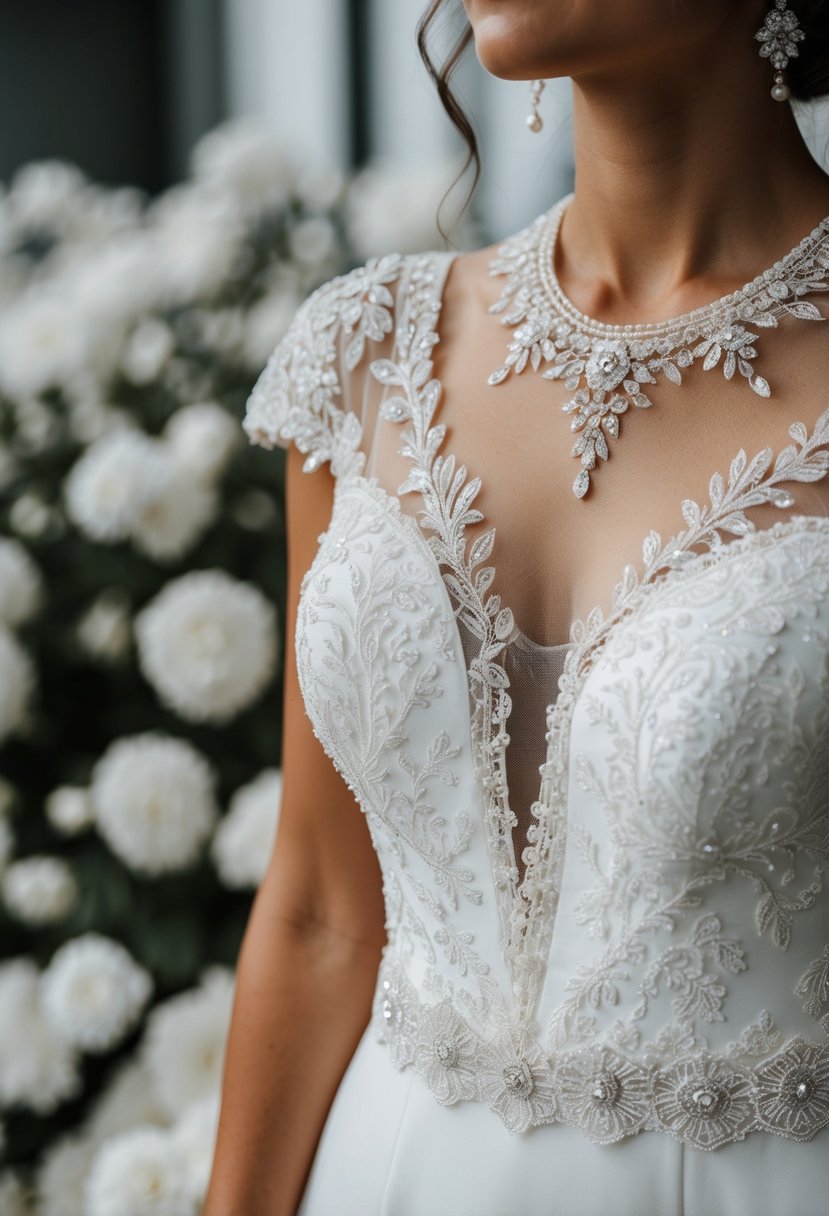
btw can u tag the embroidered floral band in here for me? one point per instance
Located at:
(704, 1101)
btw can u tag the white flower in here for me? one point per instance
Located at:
(313, 240)
(184, 1044)
(243, 842)
(113, 482)
(267, 322)
(43, 339)
(90, 419)
(149, 347)
(154, 801)
(391, 209)
(44, 193)
(319, 188)
(21, 586)
(170, 523)
(37, 1068)
(39, 890)
(194, 1137)
(138, 1173)
(93, 992)
(127, 1101)
(16, 684)
(69, 809)
(202, 438)
(38, 426)
(30, 515)
(61, 1177)
(105, 630)
(208, 644)
(242, 157)
(197, 237)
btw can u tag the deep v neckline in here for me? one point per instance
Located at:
(527, 907)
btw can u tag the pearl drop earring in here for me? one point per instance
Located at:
(534, 120)
(780, 34)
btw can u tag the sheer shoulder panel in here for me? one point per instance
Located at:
(315, 389)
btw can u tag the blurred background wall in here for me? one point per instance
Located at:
(124, 90)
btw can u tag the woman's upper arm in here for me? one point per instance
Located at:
(323, 867)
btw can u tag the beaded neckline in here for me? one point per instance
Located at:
(696, 317)
(606, 365)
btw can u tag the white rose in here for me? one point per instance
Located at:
(39, 890)
(202, 438)
(243, 843)
(154, 801)
(21, 585)
(184, 1043)
(138, 1173)
(208, 644)
(37, 1068)
(93, 992)
(17, 683)
(113, 482)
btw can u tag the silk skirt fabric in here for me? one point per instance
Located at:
(389, 1149)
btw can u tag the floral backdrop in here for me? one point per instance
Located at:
(142, 581)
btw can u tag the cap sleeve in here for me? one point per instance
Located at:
(303, 396)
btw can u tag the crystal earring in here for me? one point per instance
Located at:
(779, 34)
(534, 120)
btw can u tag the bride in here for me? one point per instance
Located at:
(545, 928)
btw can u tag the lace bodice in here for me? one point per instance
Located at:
(642, 944)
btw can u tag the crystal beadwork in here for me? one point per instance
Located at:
(607, 367)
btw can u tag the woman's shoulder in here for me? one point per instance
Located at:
(298, 396)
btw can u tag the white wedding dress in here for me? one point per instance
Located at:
(606, 985)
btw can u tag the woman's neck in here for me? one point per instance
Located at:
(687, 183)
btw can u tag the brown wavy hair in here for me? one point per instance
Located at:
(807, 74)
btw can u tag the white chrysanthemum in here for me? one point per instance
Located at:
(202, 438)
(113, 482)
(39, 890)
(243, 158)
(267, 322)
(89, 418)
(154, 801)
(197, 238)
(37, 1068)
(105, 628)
(194, 1137)
(13, 1198)
(149, 347)
(242, 845)
(38, 426)
(69, 809)
(320, 188)
(208, 644)
(313, 240)
(93, 992)
(184, 1044)
(61, 1177)
(127, 1101)
(21, 586)
(30, 516)
(43, 339)
(171, 523)
(17, 681)
(6, 842)
(396, 207)
(42, 194)
(138, 1173)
